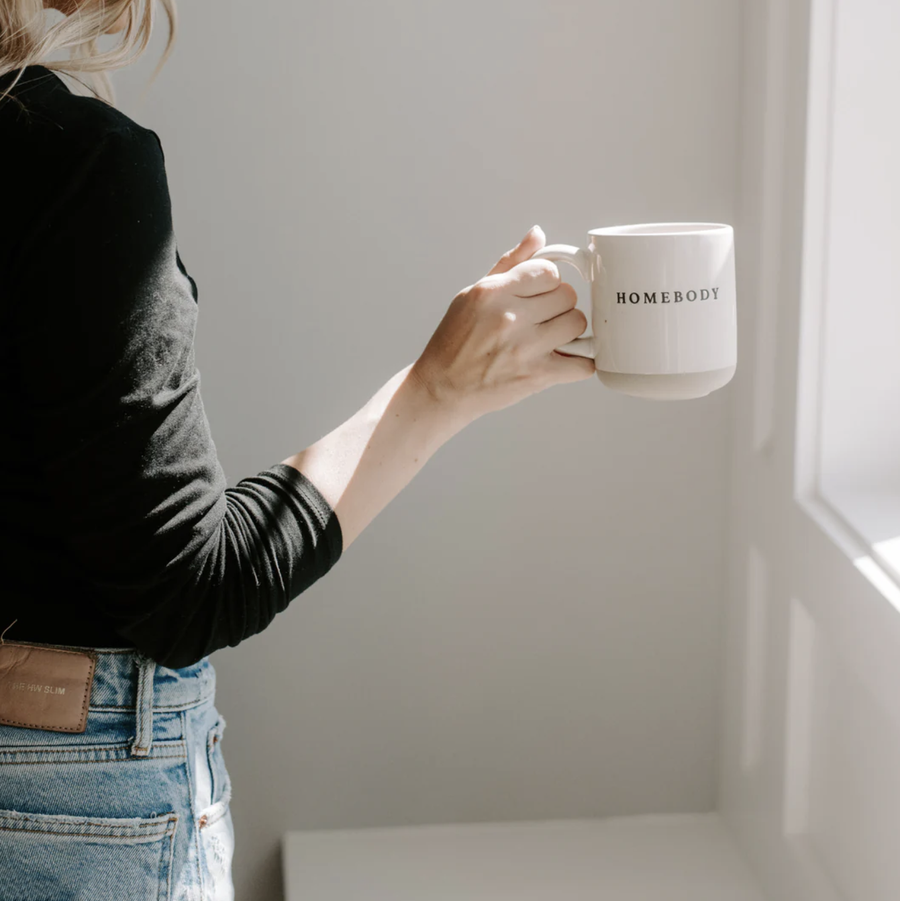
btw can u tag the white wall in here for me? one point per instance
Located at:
(809, 784)
(532, 629)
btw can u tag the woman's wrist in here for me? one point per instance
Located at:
(441, 405)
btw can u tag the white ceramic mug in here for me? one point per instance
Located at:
(662, 307)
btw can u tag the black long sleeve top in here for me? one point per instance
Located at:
(116, 525)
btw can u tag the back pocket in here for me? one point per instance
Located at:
(45, 856)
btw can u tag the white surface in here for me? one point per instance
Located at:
(810, 785)
(874, 515)
(652, 858)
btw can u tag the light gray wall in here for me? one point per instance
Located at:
(532, 629)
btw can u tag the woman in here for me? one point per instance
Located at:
(126, 560)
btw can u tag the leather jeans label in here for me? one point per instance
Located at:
(45, 687)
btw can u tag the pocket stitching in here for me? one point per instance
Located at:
(155, 844)
(166, 824)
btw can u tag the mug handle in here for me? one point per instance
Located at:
(581, 260)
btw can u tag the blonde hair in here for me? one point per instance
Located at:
(25, 40)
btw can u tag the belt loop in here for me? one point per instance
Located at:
(144, 707)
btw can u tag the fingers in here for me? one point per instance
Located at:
(563, 370)
(533, 277)
(529, 245)
(526, 279)
(562, 329)
(545, 307)
(532, 292)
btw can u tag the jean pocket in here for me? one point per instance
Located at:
(214, 822)
(85, 858)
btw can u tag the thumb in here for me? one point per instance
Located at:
(524, 250)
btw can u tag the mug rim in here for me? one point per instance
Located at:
(660, 229)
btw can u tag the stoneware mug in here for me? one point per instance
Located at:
(662, 307)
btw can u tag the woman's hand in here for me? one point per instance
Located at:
(497, 342)
(496, 345)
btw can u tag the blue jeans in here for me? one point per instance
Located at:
(136, 806)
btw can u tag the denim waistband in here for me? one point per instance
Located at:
(124, 678)
(119, 674)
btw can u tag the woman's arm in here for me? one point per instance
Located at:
(494, 347)
(367, 460)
